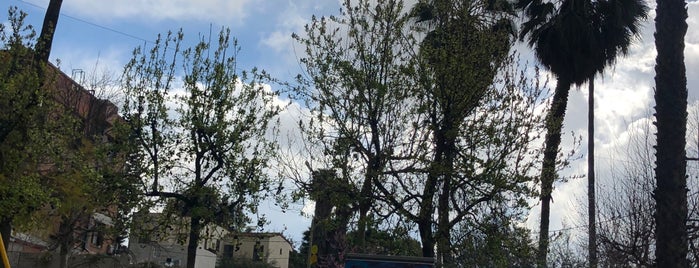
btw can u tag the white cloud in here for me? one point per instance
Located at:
(293, 21)
(296, 14)
(693, 22)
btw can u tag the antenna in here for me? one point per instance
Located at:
(78, 75)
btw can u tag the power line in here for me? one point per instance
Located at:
(91, 23)
(607, 220)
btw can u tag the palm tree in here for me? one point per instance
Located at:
(48, 28)
(563, 43)
(575, 40)
(671, 122)
(619, 24)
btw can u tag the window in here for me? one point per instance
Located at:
(228, 251)
(258, 252)
(97, 239)
(144, 238)
(169, 262)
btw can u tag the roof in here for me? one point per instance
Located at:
(262, 234)
(100, 115)
(27, 239)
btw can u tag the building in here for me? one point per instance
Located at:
(272, 248)
(163, 241)
(92, 241)
(85, 232)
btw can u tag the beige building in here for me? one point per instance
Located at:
(164, 242)
(272, 248)
(167, 246)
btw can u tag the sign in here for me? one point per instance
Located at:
(314, 254)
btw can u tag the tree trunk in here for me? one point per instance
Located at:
(443, 232)
(321, 227)
(48, 28)
(554, 124)
(448, 142)
(425, 227)
(364, 206)
(426, 214)
(671, 122)
(591, 211)
(427, 208)
(65, 238)
(63, 254)
(193, 244)
(375, 167)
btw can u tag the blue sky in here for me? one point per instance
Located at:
(108, 31)
(88, 30)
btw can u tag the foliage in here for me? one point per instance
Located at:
(575, 39)
(90, 178)
(396, 242)
(200, 142)
(464, 46)
(359, 86)
(23, 132)
(564, 251)
(495, 239)
(410, 128)
(300, 258)
(145, 265)
(68, 171)
(52, 151)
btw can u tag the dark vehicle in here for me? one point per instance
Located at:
(377, 261)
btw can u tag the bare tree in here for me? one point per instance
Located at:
(627, 228)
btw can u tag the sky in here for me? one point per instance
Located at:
(104, 33)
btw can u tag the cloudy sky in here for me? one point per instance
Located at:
(104, 33)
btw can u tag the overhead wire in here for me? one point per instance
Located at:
(91, 23)
(581, 226)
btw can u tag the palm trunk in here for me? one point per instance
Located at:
(591, 211)
(43, 45)
(671, 122)
(192, 245)
(554, 124)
